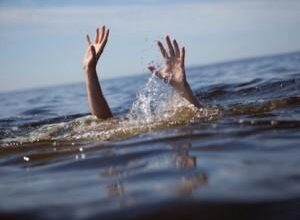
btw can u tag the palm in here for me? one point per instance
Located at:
(173, 70)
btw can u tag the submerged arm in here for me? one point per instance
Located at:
(97, 102)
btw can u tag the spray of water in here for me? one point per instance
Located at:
(155, 102)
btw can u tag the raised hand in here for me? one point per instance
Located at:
(95, 49)
(173, 70)
(97, 102)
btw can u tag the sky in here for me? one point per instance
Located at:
(42, 43)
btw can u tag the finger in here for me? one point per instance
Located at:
(171, 49)
(162, 49)
(182, 56)
(104, 41)
(88, 40)
(154, 71)
(97, 36)
(177, 51)
(106, 35)
(105, 38)
(102, 33)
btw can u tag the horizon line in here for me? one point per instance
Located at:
(224, 62)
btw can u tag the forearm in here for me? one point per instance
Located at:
(186, 91)
(97, 102)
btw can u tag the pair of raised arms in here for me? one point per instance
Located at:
(173, 71)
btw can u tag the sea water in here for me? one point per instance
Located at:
(159, 157)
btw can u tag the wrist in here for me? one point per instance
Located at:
(184, 86)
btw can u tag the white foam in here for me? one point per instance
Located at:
(155, 102)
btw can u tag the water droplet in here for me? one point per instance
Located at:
(26, 158)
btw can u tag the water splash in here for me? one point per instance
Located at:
(155, 102)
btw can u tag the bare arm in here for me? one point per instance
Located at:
(174, 70)
(97, 102)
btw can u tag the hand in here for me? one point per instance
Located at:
(173, 71)
(95, 50)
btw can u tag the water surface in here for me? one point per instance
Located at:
(159, 157)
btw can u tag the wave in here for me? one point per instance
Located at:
(158, 106)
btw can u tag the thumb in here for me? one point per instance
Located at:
(152, 69)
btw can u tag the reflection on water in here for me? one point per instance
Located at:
(160, 158)
(190, 180)
(184, 160)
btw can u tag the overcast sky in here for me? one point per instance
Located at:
(43, 43)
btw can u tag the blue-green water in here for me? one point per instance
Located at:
(158, 158)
